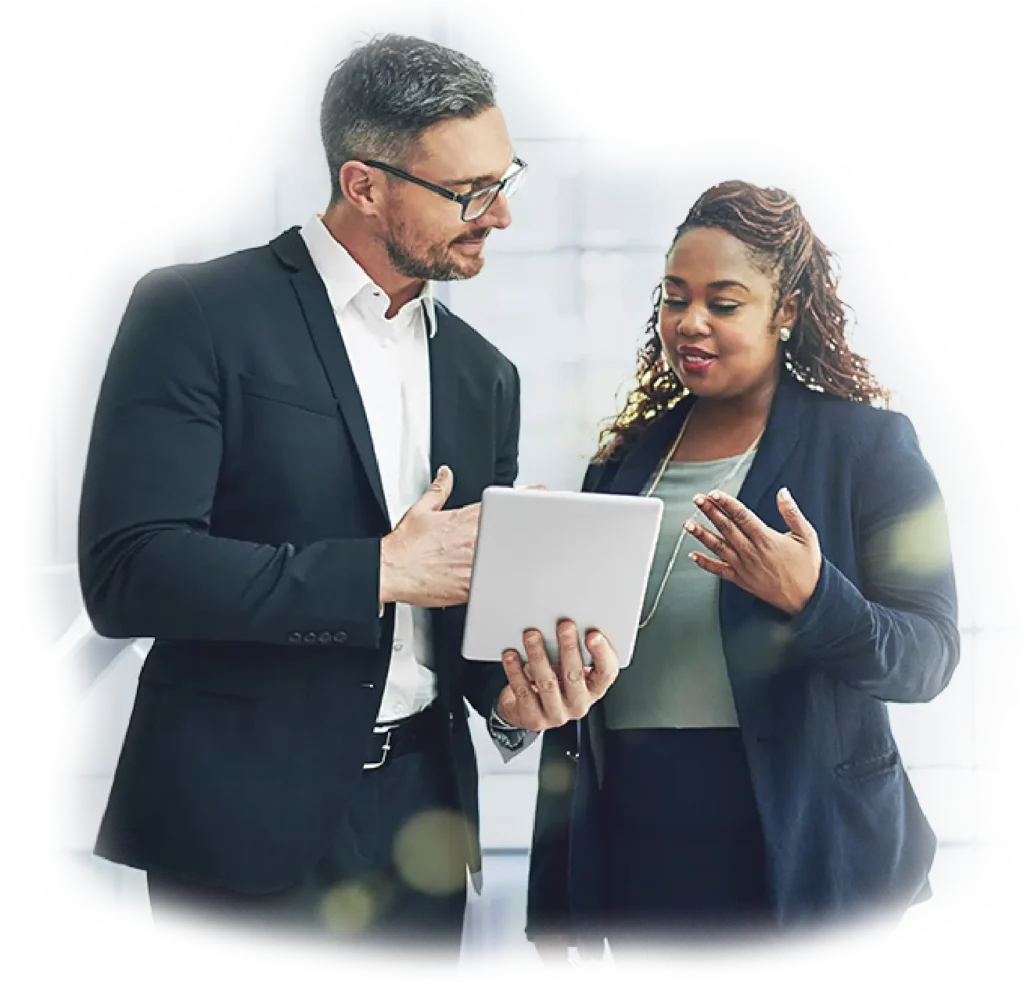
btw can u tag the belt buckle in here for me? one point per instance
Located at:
(387, 731)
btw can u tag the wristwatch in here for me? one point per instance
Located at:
(509, 736)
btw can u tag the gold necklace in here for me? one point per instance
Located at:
(683, 532)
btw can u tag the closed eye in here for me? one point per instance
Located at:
(722, 308)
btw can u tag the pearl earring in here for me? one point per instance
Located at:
(784, 333)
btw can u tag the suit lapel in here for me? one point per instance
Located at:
(444, 395)
(323, 327)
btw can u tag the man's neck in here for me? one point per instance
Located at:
(372, 256)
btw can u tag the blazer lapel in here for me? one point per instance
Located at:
(780, 437)
(638, 465)
(323, 327)
(444, 396)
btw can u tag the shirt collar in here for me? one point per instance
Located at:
(343, 276)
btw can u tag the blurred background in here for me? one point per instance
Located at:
(156, 133)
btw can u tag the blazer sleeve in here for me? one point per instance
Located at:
(547, 900)
(482, 682)
(897, 637)
(148, 564)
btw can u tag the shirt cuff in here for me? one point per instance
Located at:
(504, 733)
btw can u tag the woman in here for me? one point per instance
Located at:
(741, 772)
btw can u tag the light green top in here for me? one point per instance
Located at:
(678, 678)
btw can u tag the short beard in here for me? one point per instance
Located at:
(437, 265)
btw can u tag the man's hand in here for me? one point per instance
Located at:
(427, 560)
(542, 696)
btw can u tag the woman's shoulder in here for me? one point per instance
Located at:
(843, 418)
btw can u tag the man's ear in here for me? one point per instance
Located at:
(362, 186)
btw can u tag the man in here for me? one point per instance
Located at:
(258, 499)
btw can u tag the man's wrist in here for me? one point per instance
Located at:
(499, 722)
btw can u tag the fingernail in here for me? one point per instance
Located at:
(693, 556)
(597, 639)
(715, 494)
(785, 493)
(699, 500)
(509, 655)
(690, 526)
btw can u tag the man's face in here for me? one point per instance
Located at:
(423, 232)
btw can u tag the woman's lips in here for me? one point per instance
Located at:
(697, 361)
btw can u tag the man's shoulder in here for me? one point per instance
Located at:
(470, 341)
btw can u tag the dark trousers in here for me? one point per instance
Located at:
(684, 852)
(395, 873)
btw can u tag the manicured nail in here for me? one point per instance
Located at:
(597, 639)
(699, 500)
(693, 556)
(690, 526)
(715, 494)
(785, 494)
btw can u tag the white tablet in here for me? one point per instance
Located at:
(544, 556)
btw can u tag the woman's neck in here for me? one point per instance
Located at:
(718, 428)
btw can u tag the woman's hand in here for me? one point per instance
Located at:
(781, 569)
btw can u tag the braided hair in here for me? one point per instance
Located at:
(782, 245)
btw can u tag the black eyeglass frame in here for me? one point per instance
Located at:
(463, 198)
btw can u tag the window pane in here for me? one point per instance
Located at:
(998, 709)
(995, 881)
(950, 905)
(636, 195)
(941, 733)
(998, 803)
(946, 797)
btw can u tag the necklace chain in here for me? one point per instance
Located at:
(683, 532)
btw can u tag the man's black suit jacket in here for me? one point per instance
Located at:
(232, 509)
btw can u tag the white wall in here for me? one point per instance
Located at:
(154, 133)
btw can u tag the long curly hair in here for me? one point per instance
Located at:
(782, 245)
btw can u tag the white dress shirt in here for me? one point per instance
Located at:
(391, 362)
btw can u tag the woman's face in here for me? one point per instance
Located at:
(715, 318)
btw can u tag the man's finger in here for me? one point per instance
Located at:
(437, 493)
(543, 676)
(524, 695)
(605, 661)
(575, 697)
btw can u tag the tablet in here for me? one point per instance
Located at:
(544, 556)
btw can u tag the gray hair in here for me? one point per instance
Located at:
(382, 97)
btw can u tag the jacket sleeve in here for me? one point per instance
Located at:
(482, 682)
(148, 564)
(897, 637)
(547, 903)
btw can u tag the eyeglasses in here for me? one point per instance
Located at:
(474, 204)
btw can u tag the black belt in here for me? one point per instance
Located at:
(418, 732)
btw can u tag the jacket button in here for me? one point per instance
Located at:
(310, 637)
(295, 637)
(340, 637)
(325, 637)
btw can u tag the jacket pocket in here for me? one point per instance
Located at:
(288, 394)
(866, 767)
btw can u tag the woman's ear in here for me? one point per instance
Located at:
(788, 311)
